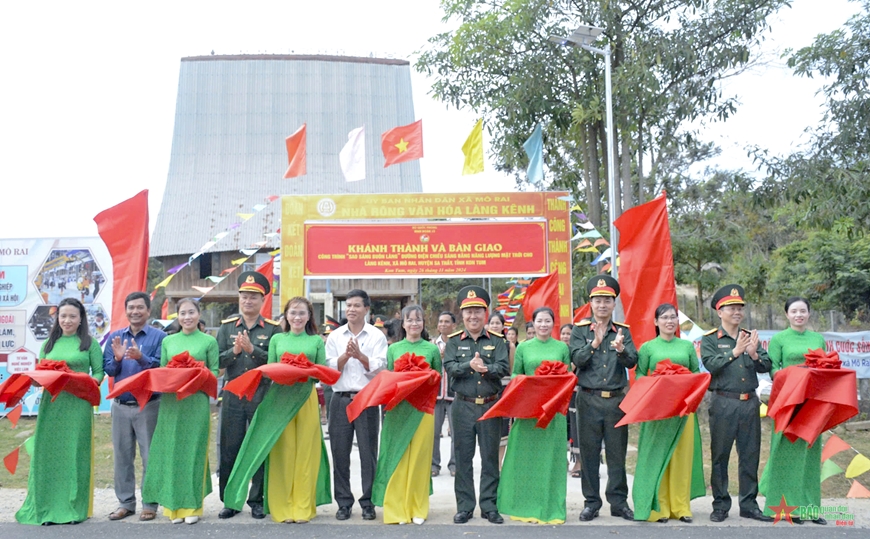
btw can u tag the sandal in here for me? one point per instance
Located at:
(147, 515)
(575, 474)
(121, 512)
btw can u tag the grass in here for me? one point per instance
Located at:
(103, 463)
(833, 487)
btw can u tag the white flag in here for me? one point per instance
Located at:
(353, 156)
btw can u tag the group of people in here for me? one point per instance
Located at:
(272, 450)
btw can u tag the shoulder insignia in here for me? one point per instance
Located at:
(273, 322)
(497, 334)
(620, 324)
(231, 319)
(582, 323)
(712, 331)
(455, 333)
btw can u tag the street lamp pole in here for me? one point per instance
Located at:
(581, 37)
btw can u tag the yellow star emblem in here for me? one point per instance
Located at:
(402, 145)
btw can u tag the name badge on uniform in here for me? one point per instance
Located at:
(262, 337)
(489, 347)
(724, 346)
(463, 347)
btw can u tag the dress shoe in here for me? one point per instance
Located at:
(588, 514)
(461, 517)
(687, 520)
(662, 520)
(820, 521)
(120, 513)
(343, 513)
(226, 512)
(625, 513)
(257, 512)
(368, 513)
(718, 515)
(493, 517)
(796, 520)
(191, 519)
(756, 514)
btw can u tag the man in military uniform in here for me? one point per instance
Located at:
(601, 351)
(475, 360)
(243, 341)
(733, 356)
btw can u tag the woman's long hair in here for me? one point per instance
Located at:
(82, 331)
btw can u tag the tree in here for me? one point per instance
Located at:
(833, 172)
(668, 56)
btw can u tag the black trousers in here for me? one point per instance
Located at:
(236, 415)
(468, 433)
(341, 434)
(596, 420)
(733, 420)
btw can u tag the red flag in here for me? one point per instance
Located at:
(834, 445)
(124, 229)
(14, 415)
(403, 143)
(267, 270)
(544, 292)
(164, 311)
(296, 153)
(646, 269)
(581, 312)
(856, 491)
(11, 460)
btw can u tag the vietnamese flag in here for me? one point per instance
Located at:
(646, 268)
(296, 153)
(544, 292)
(267, 271)
(124, 230)
(403, 143)
(581, 312)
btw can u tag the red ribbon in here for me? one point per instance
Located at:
(666, 368)
(296, 360)
(551, 368)
(184, 361)
(52, 365)
(819, 359)
(410, 362)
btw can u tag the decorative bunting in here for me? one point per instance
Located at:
(762, 410)
(834, 445)
(602, 256)
(214, 279)
(859, 465)
(830, 469)
(587, 225)
(245, 216)
(260, 244)
(238, 261)
(29, 445)
(11, 460)
(203, 289)
(606, 268)
(577, 236)
(601, 241)
(592, 234)
(585, 243)
(858, 491)
(176, 269)
(232, 227)
(576, 207)
(14, 415)
(272, 198)
(164, 282)
(588, 249)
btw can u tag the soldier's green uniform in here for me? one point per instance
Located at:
(475, 393)
(237, 413)
(734, 410)
(602, 381)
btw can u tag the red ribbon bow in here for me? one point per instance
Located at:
(666, 368)
(52, 365)
(551, 368)
(295, 360)
(184, 361)
(410, 362)
(818, 359)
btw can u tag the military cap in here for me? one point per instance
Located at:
(472, 296)
(731, 294)
(602, 286)
(330, 325)
(251, 281)
(378, 320)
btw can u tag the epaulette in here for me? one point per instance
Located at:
(497, 334)
(582, 323)
(231, 319)
(273, 322)
(455, 333)
(620, 324)
(712, 331)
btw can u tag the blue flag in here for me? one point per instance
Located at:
(534, 148)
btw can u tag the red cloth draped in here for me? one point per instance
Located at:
(413, 381)
(183, 375)
(290, 370)
(538, 397)
(670, 390)
(54, 376)
(805, 401)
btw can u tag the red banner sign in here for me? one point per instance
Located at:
(426, 249)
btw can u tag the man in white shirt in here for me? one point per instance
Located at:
(446, 326)
(359, 351)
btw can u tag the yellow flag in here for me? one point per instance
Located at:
(762, 411)
(473, 150)
(164, 282)
(245, 216)
(859, 465)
